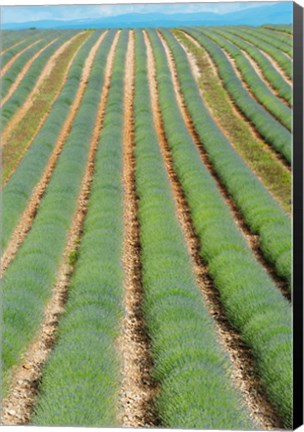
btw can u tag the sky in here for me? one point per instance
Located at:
(20, 14)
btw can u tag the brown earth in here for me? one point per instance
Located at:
(138, 389)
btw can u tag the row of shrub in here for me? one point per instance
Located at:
(19, 188)
(81, 379)
(260, 210)
(10, 76)
(256, 85)
(274, 78)
(278, 36)
(10, 39)
(285, 28)
(191, 367)
(282, 43)
(283, 61)
(270, 129)
(28, 282)
(28, 82)
(269, 169)
(252, 302)
(25, 42)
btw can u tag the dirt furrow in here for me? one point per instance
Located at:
(29, 100)
(252, 239)
(138, 387)
(243, 370)
(22, 74)
(6, 67)
(30, 211)
(19, 403)
(264, 79)
(266, 147)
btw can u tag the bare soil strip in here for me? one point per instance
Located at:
(252, 239)
(138, 387)
(22, 74)
(30, 99)
(266, 147)
(18, 405)
(13, 59)
(243, 370)
(29, 213)
(264, 79)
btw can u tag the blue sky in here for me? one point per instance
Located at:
(20, 14)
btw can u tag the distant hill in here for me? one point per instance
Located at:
(280, 13)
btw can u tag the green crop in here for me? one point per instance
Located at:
(11, 39)
(254, 82)
(81, 378)
(270, 129)
(252, 302)
(278, 36)
(282, 43)
(282, 60)
(20, 62)
(284, 28)
(28, 82)
(19, 188)
(193, 371)
(270, 73)
(261, 211)
(28, 282)
(31, 38)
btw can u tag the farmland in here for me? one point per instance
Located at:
(146, 245)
